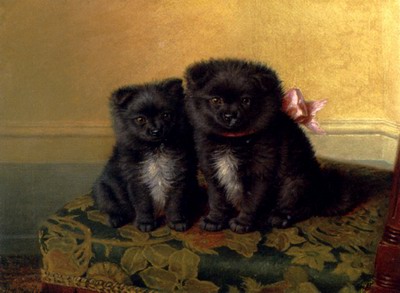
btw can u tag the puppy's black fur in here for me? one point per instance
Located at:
(259, 165)
(152, 168)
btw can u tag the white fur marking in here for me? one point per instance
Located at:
(159, 171)
(226, 165)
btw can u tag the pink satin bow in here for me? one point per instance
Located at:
(302, 111)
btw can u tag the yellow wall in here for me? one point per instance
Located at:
(59, 60)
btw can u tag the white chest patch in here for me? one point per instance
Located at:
(226, 166)
(158, 174)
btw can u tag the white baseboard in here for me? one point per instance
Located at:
(91, 142)
(362, 127)
(52, 129)
(358, 140)
(69, 142)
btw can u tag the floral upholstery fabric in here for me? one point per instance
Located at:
(331, 254)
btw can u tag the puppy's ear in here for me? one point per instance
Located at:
(198, 74)
(122, 97)
(173, 87)
(267, 80)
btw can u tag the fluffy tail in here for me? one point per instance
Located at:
(345, 185)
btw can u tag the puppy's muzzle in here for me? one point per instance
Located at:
(230, 118)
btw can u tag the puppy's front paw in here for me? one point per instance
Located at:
(178, 226)
(146, 227)
(209, 225)
(238, 227)
(280, 221)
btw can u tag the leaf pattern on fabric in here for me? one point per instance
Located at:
(297, 280)
(181, 275)
(353, 265)
(204, 242)
(282, 239)
(356, 232)
(295, 275)
(97, 216)
(314, 256)
(201, 241)
(158, 255)
(66, 247)
(184, 264)
(139, 238)
(159, 279)
(252, 286)
(244, 244)
(161, 232)
(132, 233)
(107, 271)
(133, 260)
(194, 285)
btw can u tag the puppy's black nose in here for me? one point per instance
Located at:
(155, 132)
(229, 116)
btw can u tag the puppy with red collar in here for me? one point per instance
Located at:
(258, 163)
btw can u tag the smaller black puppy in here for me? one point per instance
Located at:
(152, 168)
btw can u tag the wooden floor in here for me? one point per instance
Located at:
(20, 274)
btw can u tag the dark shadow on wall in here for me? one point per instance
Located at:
(29, 193)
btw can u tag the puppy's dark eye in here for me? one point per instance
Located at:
(216, 101)
(140, 120)
(166, 116)
(246, 101)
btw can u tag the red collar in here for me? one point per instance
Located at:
(237, 134)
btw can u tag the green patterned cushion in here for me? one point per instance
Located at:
(317, 255)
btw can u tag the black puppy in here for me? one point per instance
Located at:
(152, 168)
(258, 163)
